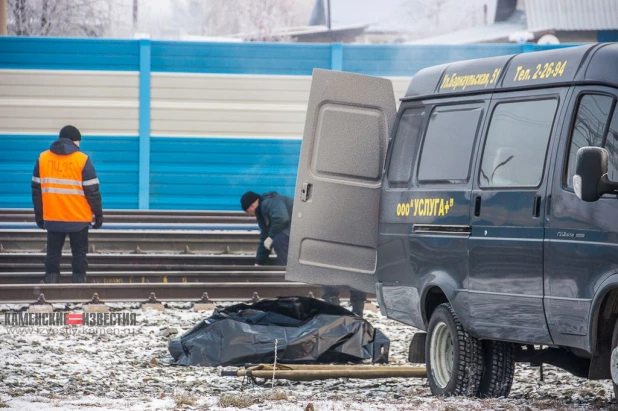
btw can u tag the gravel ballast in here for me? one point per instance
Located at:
(129, 368)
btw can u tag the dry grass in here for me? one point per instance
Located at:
(278, 396)
(37, 398)
(245, 401)
(4, 404)
(183, 398)
(237, 400)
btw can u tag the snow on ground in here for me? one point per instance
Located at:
(131, 370)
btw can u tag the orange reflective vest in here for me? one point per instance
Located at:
(62, 187)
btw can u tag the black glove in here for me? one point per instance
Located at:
(40, 223)
(98, 222)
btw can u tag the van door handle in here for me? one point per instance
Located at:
(305, 193)
(536, 207)
(477, 206)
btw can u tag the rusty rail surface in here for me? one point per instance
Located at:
(143, 292)
(31, 262)
(25, 215)
(140, 241)
(207, 274)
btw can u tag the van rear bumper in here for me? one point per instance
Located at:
(400, 303)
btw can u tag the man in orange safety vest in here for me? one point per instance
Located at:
(65, 194)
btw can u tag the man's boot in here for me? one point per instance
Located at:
(332, 299)
(330, 294)
(52, 278)
(357, 307)
(78, 278)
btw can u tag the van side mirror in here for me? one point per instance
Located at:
(590, 181)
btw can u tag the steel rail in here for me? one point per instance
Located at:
(208, 274)
(24, 215)
(146, 241)
(142, 292)
(30, 262)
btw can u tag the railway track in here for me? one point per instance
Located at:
(199, 252)
(140, 241)
(30, 262)
(143, 292)
(207, 274)
(25, 215)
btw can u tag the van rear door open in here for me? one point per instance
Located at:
(334, 232)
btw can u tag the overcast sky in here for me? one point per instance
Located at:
(171, 19)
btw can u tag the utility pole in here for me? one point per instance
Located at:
(135, 2)
(328, 3)
(3, 30)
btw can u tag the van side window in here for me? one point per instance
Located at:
(447, 148)
(516, 144)
(589, 129)
(406, 139)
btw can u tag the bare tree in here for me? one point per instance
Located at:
(174, 19)
(3, 18)
(431, 17)
(221, 18)
(84, 18)
(262, 19)
(257, 20)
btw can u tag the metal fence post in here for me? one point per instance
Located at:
(144, 125)
(336, 56)
(527, 48)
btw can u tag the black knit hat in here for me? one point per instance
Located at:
(247, 199)
(71, 133)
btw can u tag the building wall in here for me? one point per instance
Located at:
(584, 36)
(607, 36)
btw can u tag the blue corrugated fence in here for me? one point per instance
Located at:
(195, 173)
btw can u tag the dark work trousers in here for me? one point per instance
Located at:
(79, 248)
(280, 244)
(357, 298)
(333, 292)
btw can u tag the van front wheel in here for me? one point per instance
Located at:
(454, 358)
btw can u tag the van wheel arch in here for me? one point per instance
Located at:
(434, 297)
(603, 323)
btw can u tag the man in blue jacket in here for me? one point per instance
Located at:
(273, 212)
(274, 215)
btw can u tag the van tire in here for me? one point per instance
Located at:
(614, 345)
(454, 358)
(498, 369)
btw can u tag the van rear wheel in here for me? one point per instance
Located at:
(614, 358)
(498, 369)
(454, 358)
